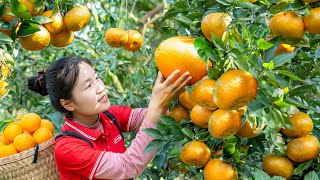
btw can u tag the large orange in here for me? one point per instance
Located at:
(200, 116)
(48, 124)
(202, 93)
(302, 149)
(179, 53)
(302, 125)
(215, 23)
(248, 131)
(77, 18)
(57, 21)
(135, 41)
(12, 130)
(178, 113)
(224, 123)
(277, 166)
(31, 122)
(4, 139)
(116, 37)
(287, 24)
(312, 21)
(185, 101)
(42, 134)
(23, 142)
(217, 169)
(7, 150)
(195, 153)
(62, 38)
(7, 16)
(234, 89)
(37, 41)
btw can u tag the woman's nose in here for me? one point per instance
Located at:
(100, 87)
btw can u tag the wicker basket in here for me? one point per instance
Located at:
(20, 166)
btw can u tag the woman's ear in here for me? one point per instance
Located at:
(67, 104)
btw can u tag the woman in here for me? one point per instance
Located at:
(95, 149)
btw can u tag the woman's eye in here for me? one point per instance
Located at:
(88, 86)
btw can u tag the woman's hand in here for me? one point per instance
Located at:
(163, 92)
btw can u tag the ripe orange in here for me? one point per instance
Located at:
(284, 48)
(310, 1)
(179, 53)
(3, 87)
(302, 149)
(31, 122)
(185, 101)
(57, 21)
(7, 17)
(215, 23)
(135, 41)
(287, 24)
(116, 37)
(62, 38)
(217, 169)
(77, 18)
(202, 93)
(234, 89)
(42, 134)
(48, 124)
(4, 139)
(200, 116)
(37, 41)
(178, 113)
(302, 125)
(252, 1)
(7, 150)
(224, 123)
(12, 130)
(312, 21)
(195, 153)
(277, 166)
(23, 142)
(247, 131)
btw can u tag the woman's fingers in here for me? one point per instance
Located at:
(172, 77)
(182, 86)
(180, 80)
(159, 78)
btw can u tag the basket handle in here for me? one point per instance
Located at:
(36, 152)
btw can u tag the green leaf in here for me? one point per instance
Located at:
(263, 44)
(181, 6)
(164, 129)
(153, 133)
(278, 178)
(238, 59)
(278, 7)
(269, 53)
(301, 90)
(217, 42)
(4, 38)
(283, 58)
(317, 53)
(27, 29)
(183, 19)
(188, 133)
(214, 73)
(167, 120)
(261, 175)
(55, 8)
(302, 167)
(19, 9)
(311, 176)
(153, 146)
(176, 132)
(175, 151)
(42, 19)
(170, 13)
(297, 42)
(224, 2)
(289, 74)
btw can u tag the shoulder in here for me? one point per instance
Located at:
(120, 112)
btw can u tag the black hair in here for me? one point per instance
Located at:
(58, 80)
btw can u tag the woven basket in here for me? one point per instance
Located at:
(20, 166)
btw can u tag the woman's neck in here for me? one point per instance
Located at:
(85, 120)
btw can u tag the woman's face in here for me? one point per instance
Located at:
(89, 94)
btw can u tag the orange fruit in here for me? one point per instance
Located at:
(37, 41)
(215, 23)
(77, 18)
(252, 1)
(4, 139)
(195, 153)
(302, 149)
(57, 21)
(62, 38)
(7, 16)
(287, 24)
(312, 21)
(135, 41)
(7, 150)
(12, 130)
(116, 37)
(31, 122)
(202, 93)
(284, 48)
(48, 124)
(200, 116)
(42, 134)
(310, 1)
(3, 87)
(277, 166)
(224, 123)
(234, 89)
(179, 53)
(217, 169)
(23, 142)
(302, 125)
(178, 113)
(246, 131)
(185, 101)
(2, 143)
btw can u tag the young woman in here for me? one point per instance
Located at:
(95, 149)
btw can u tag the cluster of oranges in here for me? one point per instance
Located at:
(6, 68)
(58, 32)
(24, 134)
(131, 40)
